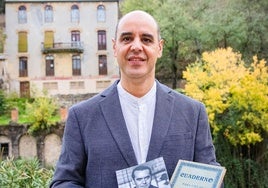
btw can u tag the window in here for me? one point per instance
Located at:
(101, 40)
(75, 16)
(23, 42)
(49, 39)
(25, 89)
(50, 85)
(4, 150)
(101, 14)
(102, 65)
(102, 84)
(76, 65)
(22, 15)
(77, 85)
(49, 65)
(48, 14)
(23, 67)
(75, 37)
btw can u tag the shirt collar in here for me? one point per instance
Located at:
(148, 96)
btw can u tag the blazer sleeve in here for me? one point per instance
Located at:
(204, 148)
(70, 169)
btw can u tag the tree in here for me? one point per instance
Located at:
(236, 97)
(2, 40)
(239, 24)
(2, 6)
(40, 111)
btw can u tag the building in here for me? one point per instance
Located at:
(2, 56)
(60, 46)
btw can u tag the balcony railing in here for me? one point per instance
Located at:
(61, 47)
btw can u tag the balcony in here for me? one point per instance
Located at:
(63, 47)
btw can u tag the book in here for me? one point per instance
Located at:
(151, 174)
(197, 175)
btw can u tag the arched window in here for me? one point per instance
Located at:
(101, 13)
(75, 16)
(22, 15)
(48, 14)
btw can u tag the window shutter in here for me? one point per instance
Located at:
(49, 39)
(23, 42)
(1, 47)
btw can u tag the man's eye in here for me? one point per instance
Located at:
(126, 39)
(147, 40)
(147, 177)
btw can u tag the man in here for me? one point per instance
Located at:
(142, 177)
(135, 120)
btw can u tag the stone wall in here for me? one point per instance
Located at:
(45, 146)
(69, 100)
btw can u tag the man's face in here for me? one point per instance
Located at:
(142, 178)
(137, 46)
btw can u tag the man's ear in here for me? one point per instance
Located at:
(114, 47)
(160, 45)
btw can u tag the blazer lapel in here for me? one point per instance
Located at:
(162, 117)
(112, 112)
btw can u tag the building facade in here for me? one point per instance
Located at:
(60, 46)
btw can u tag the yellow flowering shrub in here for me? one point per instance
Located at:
(40, 114)
(235, 95)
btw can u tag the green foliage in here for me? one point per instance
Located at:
(235, 95)
(236, 98)
(2, 7)
(24, 173)
(40, 113)
(14, 101)
(9, 102)
(2, 103)
(2, 38)
(242, 171)
(149, 5)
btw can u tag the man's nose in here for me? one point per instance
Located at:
(136, 45)
(144, 181)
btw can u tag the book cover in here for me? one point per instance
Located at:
(152, 174)
(197, 175)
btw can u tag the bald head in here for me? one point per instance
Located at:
(138, 15)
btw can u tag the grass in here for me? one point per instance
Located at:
(5, 119)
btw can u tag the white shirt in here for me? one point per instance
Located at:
(139, 115)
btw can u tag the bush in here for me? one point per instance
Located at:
(2, 102)
(40, 114)
(25, 173)
(14, 101)
(235, 96)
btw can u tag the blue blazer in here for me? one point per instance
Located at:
(96, 142)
